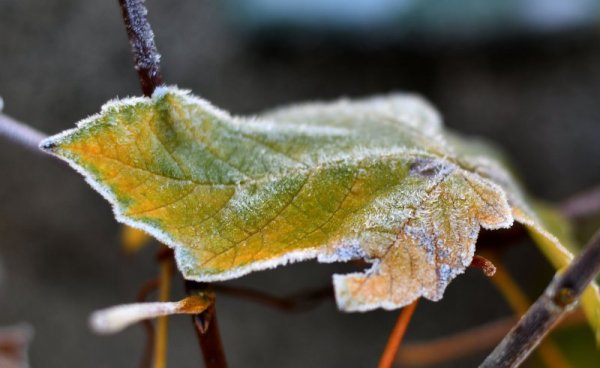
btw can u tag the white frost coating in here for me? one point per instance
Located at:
(503, 199)
(411, 109)
(347, 304)
(117, 318)
(185, 262)
(350, 249)
(259, 125)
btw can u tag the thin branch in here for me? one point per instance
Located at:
(391, 348)
(558, 298)
(146, 289)
(464, 343)
(207, 331)
(299, 302)
(20, 133)
(582, 204)
(146, 57)
(162, 323)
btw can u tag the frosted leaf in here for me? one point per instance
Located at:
(377, 179)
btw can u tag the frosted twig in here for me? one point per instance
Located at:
(146, 57)
(558, 298)
(20, 133)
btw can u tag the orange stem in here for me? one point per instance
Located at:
(162, 323)
(395, 339)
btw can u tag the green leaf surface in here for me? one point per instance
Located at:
(377, 179)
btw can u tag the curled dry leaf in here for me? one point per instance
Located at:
(377, 179)
(117, 318)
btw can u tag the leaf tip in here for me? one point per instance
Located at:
(48, 145)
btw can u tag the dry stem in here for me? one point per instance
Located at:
(146, 289)
(395, 340)
(207, 330)
(162, 323)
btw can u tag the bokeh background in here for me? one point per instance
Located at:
(525, 74)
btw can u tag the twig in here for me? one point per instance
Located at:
(207, 330)
(558, 298)
(20, 133)
(395, 339)
(162, 323)
(146, 57)
(581, 204)
(146, 289)
(448, 348)
(299, 302)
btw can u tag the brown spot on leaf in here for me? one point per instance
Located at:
(427, 167)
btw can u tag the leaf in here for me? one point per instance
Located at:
(376, 179)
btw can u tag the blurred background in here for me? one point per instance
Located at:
(525, 74)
